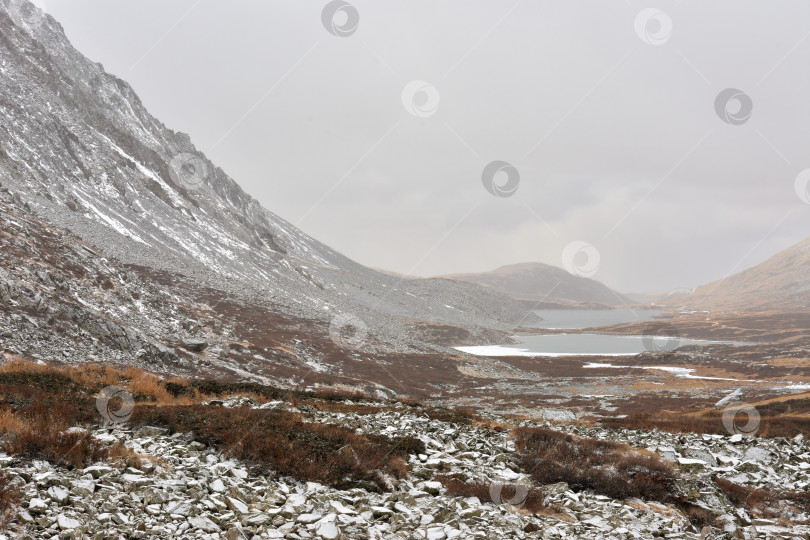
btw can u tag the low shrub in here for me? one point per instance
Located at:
(214, 388)
(771, 424)
(454, 416)
(46, 437)
(616, 470)
(762, 501)
(38, 405)
(280, 441)
(530, 499)
(700, 517)
(177, 389)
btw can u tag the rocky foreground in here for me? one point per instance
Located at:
(189, 491)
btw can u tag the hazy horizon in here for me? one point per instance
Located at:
(611, 125)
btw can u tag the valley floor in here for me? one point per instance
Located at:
(464, 477)
(195, 492)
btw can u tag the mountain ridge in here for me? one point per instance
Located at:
(781, 282)
(80, 149)
(546, 285)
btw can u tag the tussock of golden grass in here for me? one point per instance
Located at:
(10, 422)
(143, 386)
(16, 364)
(151, 386)
(37, 436)
(38, 405)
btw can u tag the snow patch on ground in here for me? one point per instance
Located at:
(501, 350)
(680, 372)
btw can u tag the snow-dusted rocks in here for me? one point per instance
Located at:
(328, 530)
(194, 492)
(67, 523)
(58, 494)
(37, 505)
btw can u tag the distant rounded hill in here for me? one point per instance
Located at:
(546, 286)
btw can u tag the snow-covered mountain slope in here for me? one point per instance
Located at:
(78, 147)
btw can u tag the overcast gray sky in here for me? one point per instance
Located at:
(611, 123)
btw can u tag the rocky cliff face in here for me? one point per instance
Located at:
(79, 152)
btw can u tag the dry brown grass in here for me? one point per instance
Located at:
(34, 433)
(147, 384)
(700, 517)
(531, 499)
(157, 389)
(144, 386)
(38, 403)
(10, 422)
(280, 441)
(772, 423)
(616, 470)
(763, 501)
(348, 408)
(608, 468)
